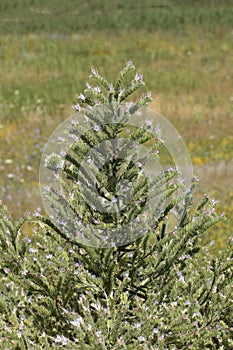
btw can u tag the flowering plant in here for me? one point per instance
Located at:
(162, 290)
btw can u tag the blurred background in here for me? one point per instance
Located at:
(183, 48)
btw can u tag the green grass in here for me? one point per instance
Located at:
(56, 16)
(184, 51)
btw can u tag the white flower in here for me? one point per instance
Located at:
(94, 71)
(61, 339)
(148, 123)
(137, 325)
(33, 250)
(81, 97)
(139, 164)
(96, 128)
(97, 89)
(77, 107)
(129, 63)
(76, 322)
(98, 333)
(138, 77)
(141, 338)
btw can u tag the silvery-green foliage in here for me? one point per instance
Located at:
(163, 290)
(160, 292)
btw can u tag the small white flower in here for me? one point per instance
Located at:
(96, 128)
(76, 322)
(96, 306)
(97, 89)
(148, 123)
(138, 77)
(155, 330)
(63, 153)
(214, 201)
(139, 164)
(33, 250)
(94, 71)
(81, 97)
(141, 338)
(27, 240)
(129, 63)
(128, 106)
(61, 339)
(137, 325)
(77, 107)
(98, 333)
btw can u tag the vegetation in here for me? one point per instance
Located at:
(162, 290)
(77, 16)
(184, 49)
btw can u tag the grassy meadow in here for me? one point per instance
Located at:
(183, 48)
